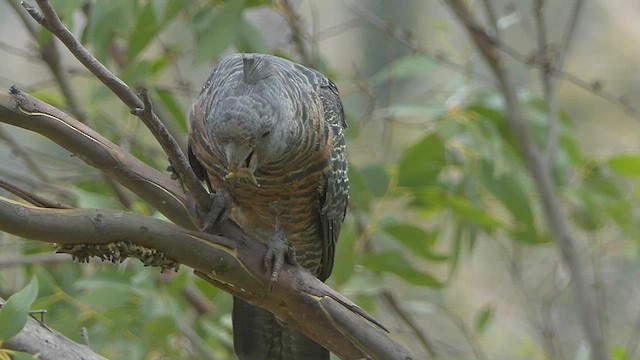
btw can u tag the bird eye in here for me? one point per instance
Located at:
(265, 134)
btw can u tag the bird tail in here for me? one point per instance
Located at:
(259, 335)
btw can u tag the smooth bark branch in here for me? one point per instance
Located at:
(36, 338)
(543, 181)
(235, 265)
(20, 109)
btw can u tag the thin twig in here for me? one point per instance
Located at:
(298, 33)
(198, 343)
(51, 57)
(26, 20)
(23, 54)
(492, 17)
(543, 181)
(549, 74)
(34, 259)
(404, 38)
(424, 340)
(50, 20)
(84, 335)
(634, 335)
(31, 197)
(539, 321)
(17, 149)
(478, 352)
(595, 87)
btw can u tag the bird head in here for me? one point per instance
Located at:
(244, 137)
(249, 123)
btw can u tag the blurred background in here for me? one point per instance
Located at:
(445, 241)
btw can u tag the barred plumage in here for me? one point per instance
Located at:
(269, 132)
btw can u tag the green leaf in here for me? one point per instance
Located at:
(462, 208)
(396, 263)
(250, 39)
(158, 329)
(221, 32)
(359, 193)
(135, 71)
(619, 352)
(95, 200)
(144, 31)
(466, 210)
(14, 312)
(345, 251)
(166, 10)
(509, 191)
(253, 3)
(416, 239)
(418, 110)
(421, 163)
(483, 319)
(18, 355)
(108, 290)
(65, 9)
(173, 106)
(109, 19)
(627, 165)
(377, 179)
(405, 67)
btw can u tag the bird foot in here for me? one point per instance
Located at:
(219, 211)
(278, 251)
(174, 173)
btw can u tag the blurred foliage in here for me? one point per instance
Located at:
(411, 221)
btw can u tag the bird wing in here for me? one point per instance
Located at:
(334, 192)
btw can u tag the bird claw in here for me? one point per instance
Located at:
(174, 173)
(219, 211)
(278, 251)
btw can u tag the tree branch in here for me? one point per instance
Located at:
(556, 219)
(20, 109)
(550, 71)
(51, 56)
(33, 259)
(37, 338)
(233, 265)
(31, 163)
(29, 196)
(297, 31)
(50, 20)
(425, 341)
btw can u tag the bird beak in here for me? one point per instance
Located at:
(242, 163)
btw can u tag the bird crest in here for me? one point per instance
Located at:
(254, 69)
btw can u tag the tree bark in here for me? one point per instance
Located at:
(37, 338)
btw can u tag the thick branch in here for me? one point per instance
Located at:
(557, 220)
(22, 110)
(298, 297)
